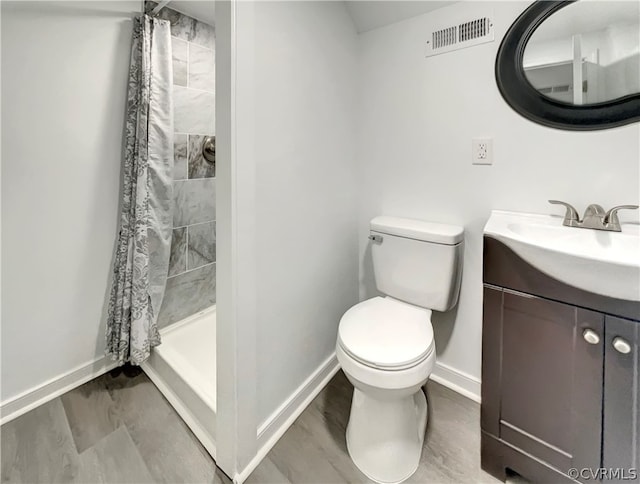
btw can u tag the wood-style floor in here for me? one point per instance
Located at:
(119, 429)
(314, 449)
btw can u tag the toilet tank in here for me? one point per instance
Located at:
(416, 261)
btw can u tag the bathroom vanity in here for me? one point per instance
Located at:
(560, 364)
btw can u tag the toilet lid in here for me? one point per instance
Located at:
(385, 333)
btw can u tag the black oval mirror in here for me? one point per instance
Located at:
(573, 64)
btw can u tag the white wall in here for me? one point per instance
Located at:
(417, 117)
(236, 420)
(305, 199)
(64, 77)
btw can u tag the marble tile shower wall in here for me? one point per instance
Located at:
(192, 269)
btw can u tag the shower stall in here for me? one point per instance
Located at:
(183, 366)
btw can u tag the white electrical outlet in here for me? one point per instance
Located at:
(482, 151)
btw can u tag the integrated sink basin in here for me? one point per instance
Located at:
(605, 263)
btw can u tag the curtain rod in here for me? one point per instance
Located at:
(159, 7)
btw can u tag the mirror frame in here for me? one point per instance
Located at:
(528, 102)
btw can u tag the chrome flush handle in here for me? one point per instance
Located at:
(375, 238)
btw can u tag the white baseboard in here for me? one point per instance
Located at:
(36, 396)
(201, 433)
(456, 380)
(274, 427)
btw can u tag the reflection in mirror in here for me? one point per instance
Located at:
(587, 52)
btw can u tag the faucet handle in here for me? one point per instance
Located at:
(611, 217)
(571, 214)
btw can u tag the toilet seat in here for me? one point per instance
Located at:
(386, 334)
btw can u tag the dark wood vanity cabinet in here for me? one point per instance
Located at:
(621, 415)
(557, 392)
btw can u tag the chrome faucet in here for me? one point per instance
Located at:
(595, 216)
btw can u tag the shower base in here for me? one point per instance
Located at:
(183, 368)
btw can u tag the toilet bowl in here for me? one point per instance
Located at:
(385, 344)
(386, 350)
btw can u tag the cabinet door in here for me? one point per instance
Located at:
(551, 381)
(621, 427)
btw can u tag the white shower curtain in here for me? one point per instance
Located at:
(146, 218)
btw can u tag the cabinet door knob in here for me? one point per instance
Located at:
(590, 336)
(621, 345)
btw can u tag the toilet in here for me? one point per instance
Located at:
(385, 344)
